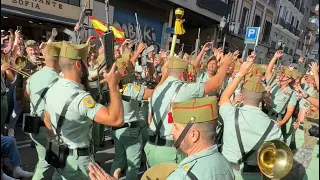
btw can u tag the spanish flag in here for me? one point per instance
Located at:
(101, 27)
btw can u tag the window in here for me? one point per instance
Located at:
(244, 18)
(257, 21)
(297, 25)
(292, 20)
(278, 18)
(266, 31)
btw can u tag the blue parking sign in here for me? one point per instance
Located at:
(252, 35)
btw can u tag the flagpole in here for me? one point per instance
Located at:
(178, 28)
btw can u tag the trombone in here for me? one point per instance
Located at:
(20, 63)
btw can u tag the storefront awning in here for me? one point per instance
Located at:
(36, 15)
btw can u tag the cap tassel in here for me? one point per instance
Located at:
(170, 118)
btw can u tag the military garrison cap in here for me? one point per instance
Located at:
(53, 49)
(254, 85)
(177, 63)
(186, 56)
(202, 109)
(100, 58)
(74, 51)
(30, 43)
(286, 71)
(296, 74)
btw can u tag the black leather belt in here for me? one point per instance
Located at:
(246, 168)
(160, 141)
(80, 152)
(42, 123)
(129, 125)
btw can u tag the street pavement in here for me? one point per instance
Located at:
(104, 156)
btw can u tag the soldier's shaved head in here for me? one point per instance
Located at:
(66, 64)
(253, 98)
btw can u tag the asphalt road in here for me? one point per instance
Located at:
(104, 156)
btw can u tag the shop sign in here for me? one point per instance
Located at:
(151, 29)
(51, 7)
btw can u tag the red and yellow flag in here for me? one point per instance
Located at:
(101, 27)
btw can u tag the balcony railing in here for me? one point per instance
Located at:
(281, 22)
(288, 26)
(293, 30)
(291, 52)
(273, 45)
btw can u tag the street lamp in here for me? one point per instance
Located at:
(223, 23)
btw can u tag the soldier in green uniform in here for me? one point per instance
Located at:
(203, 161)
(244, 126)
(47, 76)
(284, 99)
(159, 147)
(128, 138)
(82, 111)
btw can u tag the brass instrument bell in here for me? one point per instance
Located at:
(275, 159)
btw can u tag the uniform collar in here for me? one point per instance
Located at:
(211, 150)
(70, 83)
(250, 108)
(172, 78)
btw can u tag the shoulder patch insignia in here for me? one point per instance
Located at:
(186, 167)
(88, 102)
(306, 104)
(136, 88)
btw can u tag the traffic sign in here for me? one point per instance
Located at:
(252, 35)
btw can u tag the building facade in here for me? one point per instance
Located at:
(157, 17)
(252, 13)
(38, 17)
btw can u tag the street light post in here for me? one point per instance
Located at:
(223, 23)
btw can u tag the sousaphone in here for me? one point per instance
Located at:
(159, 172)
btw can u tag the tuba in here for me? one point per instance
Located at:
(275, 159)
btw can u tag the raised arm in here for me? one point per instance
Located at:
(214, 83)
(270, 67)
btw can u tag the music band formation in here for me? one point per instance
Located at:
(211, 115)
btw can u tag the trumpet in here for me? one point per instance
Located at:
(20, 63)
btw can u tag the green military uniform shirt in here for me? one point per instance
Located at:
(162, 95)
(131, 108)
(208, 164)
(252, 124)
(303, 103)
(36, 84)
(76, 129)
(281, 99)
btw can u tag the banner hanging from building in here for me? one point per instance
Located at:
(151, 29)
